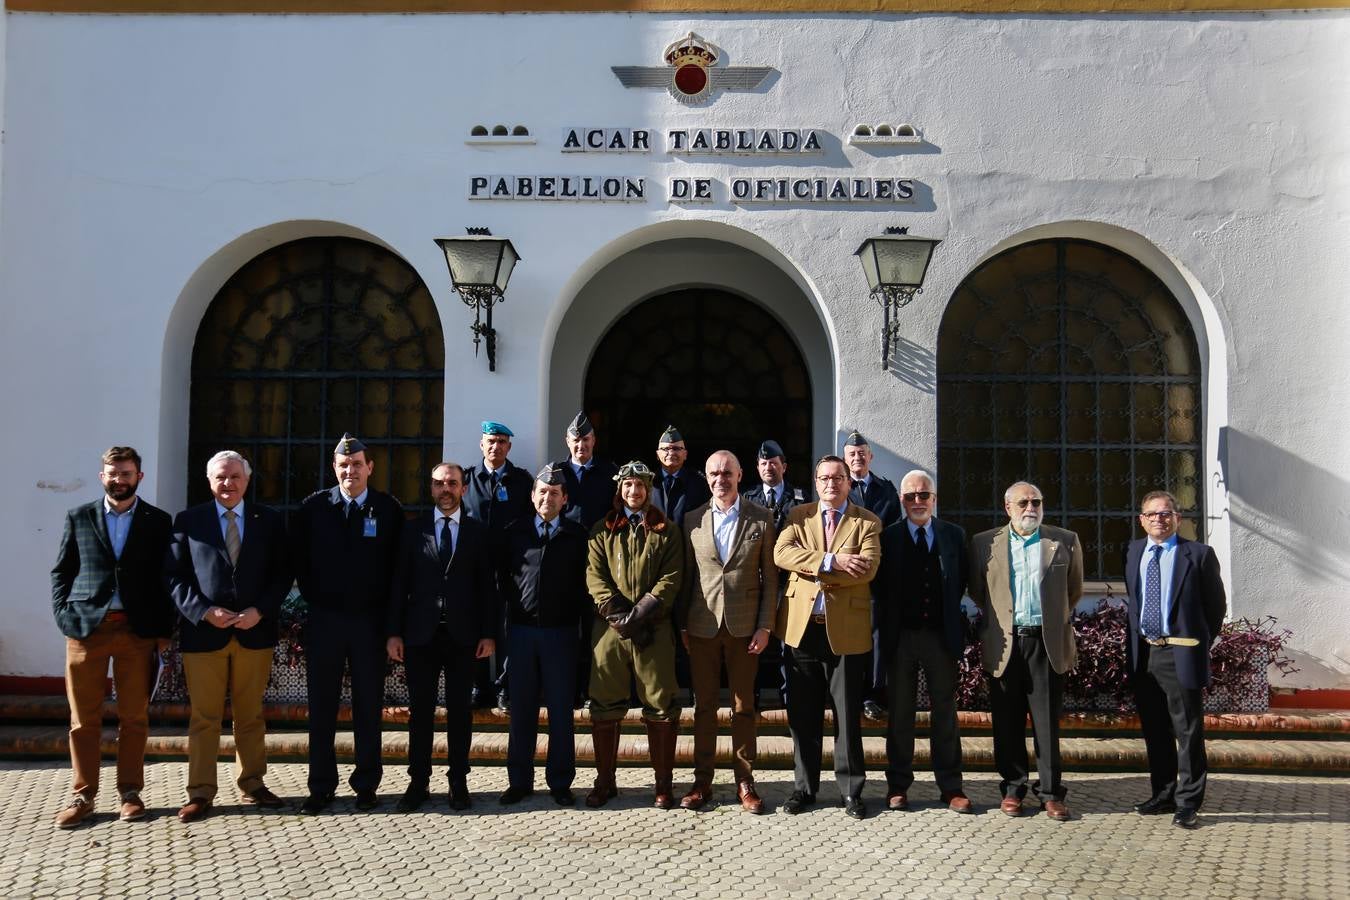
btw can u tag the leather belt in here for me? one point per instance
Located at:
(1027, 631)
(1172, 642)
(115, 615)
(818, 620)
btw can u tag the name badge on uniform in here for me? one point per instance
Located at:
(501, 493)
(368, 529)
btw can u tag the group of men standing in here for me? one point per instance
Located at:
(585, 580)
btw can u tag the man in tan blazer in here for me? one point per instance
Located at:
(831, 549)
(725, 613)
(1027, 577)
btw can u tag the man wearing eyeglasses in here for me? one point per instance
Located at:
(1176, 604)
(830, 550)
(676, 490)
(917, 594)
(1027, 577)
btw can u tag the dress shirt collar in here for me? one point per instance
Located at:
(843, 507)
(733, 510)
(926, 528)
(1168, 545)
(1014, 537)
(453, 517)
(238, 510)
(359, 499)
(108, 507)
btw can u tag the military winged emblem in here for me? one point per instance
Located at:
(691, 72)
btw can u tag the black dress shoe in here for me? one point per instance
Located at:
(459, 799)
(412, 798)
(315, 804)
(367, 800)
(1186, 817)
(513, 795)
(854, 808)
(1155, 806)
(503, 701)
(873, 710)
(798, 801)
(563, 796)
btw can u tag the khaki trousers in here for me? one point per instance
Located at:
(706, 658)
(133, 662)
(616, 663)
(210, 674)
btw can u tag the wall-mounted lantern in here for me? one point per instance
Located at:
(895, 264)
(480, 266)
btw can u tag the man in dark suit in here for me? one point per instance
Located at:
(918, 590)
(1027, 577)
(443, 614)
(878, 495)
(109, 601)
(496, 493)
(228, 574)
(1176, 604)
(676, 489)
(541, 574)
(344, 541)
(589, 485)
(780, 497)
(831, 548)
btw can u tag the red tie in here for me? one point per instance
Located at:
(831, 523)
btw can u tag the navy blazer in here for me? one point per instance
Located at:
(1198, 607)
(887, 587)
(340, 567)
(466, 588)
(86, 573)
(880, 497)
(199, 576)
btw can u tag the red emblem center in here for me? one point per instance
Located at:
(691, 79)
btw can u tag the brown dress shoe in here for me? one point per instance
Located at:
(896, 801)
(1057, 810)
(698, 796)
(261, 796)
(75, 812)
(750, 801)
(133, 808)
(1011, 806)
(195, 810)
(958, 802)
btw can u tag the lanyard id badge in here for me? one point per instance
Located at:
(368, 526)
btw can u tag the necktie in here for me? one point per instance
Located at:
(768, 496)
(860, 487)
(232, 542)
(1150, 619)
(670, 483)
(921, 540)
(447, 543)
(353, 513)
(831, 523)
(635, 520)
(545, 531)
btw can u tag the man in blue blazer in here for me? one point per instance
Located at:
(443, 615)
(227, 572)
(1176, 604)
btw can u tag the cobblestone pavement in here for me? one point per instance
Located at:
(1261, 836)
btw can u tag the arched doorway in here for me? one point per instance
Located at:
(718, 366)
(310, 339)
(1070, 364)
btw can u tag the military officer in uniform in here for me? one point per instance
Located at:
(496, 494)
(344, 541)
(633, 574)
(676, 489)
(878, 495)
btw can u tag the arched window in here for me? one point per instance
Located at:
(308, 340)
(1067, 363)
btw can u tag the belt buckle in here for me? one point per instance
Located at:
(818, 619)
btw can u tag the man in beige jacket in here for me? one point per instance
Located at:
(1026, 577)
(725, 612)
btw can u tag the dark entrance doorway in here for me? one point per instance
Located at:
(719, 367)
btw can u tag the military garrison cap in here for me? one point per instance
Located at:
(348, 445)
(551, 474)
(580, 426)
(855, 439)
(490, 427)
(635, 469)
(670, 436)
(770, 449)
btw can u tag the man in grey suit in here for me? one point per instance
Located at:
(1027, 577)
(725, 614)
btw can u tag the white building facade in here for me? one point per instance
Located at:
(1144, 216)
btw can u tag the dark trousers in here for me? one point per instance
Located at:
(1172, 717)
(818, 677)
(543, 666)
(583, 656)
(335, 641)
(1028, 684)
(875, 687)
(922, 648)
(773, 668)
(424, 665)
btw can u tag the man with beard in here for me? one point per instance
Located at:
(344, 541)
(1027, 578)
(633, 575)
(443, 615)
(110, 602)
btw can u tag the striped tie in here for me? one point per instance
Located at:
(232, 542)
